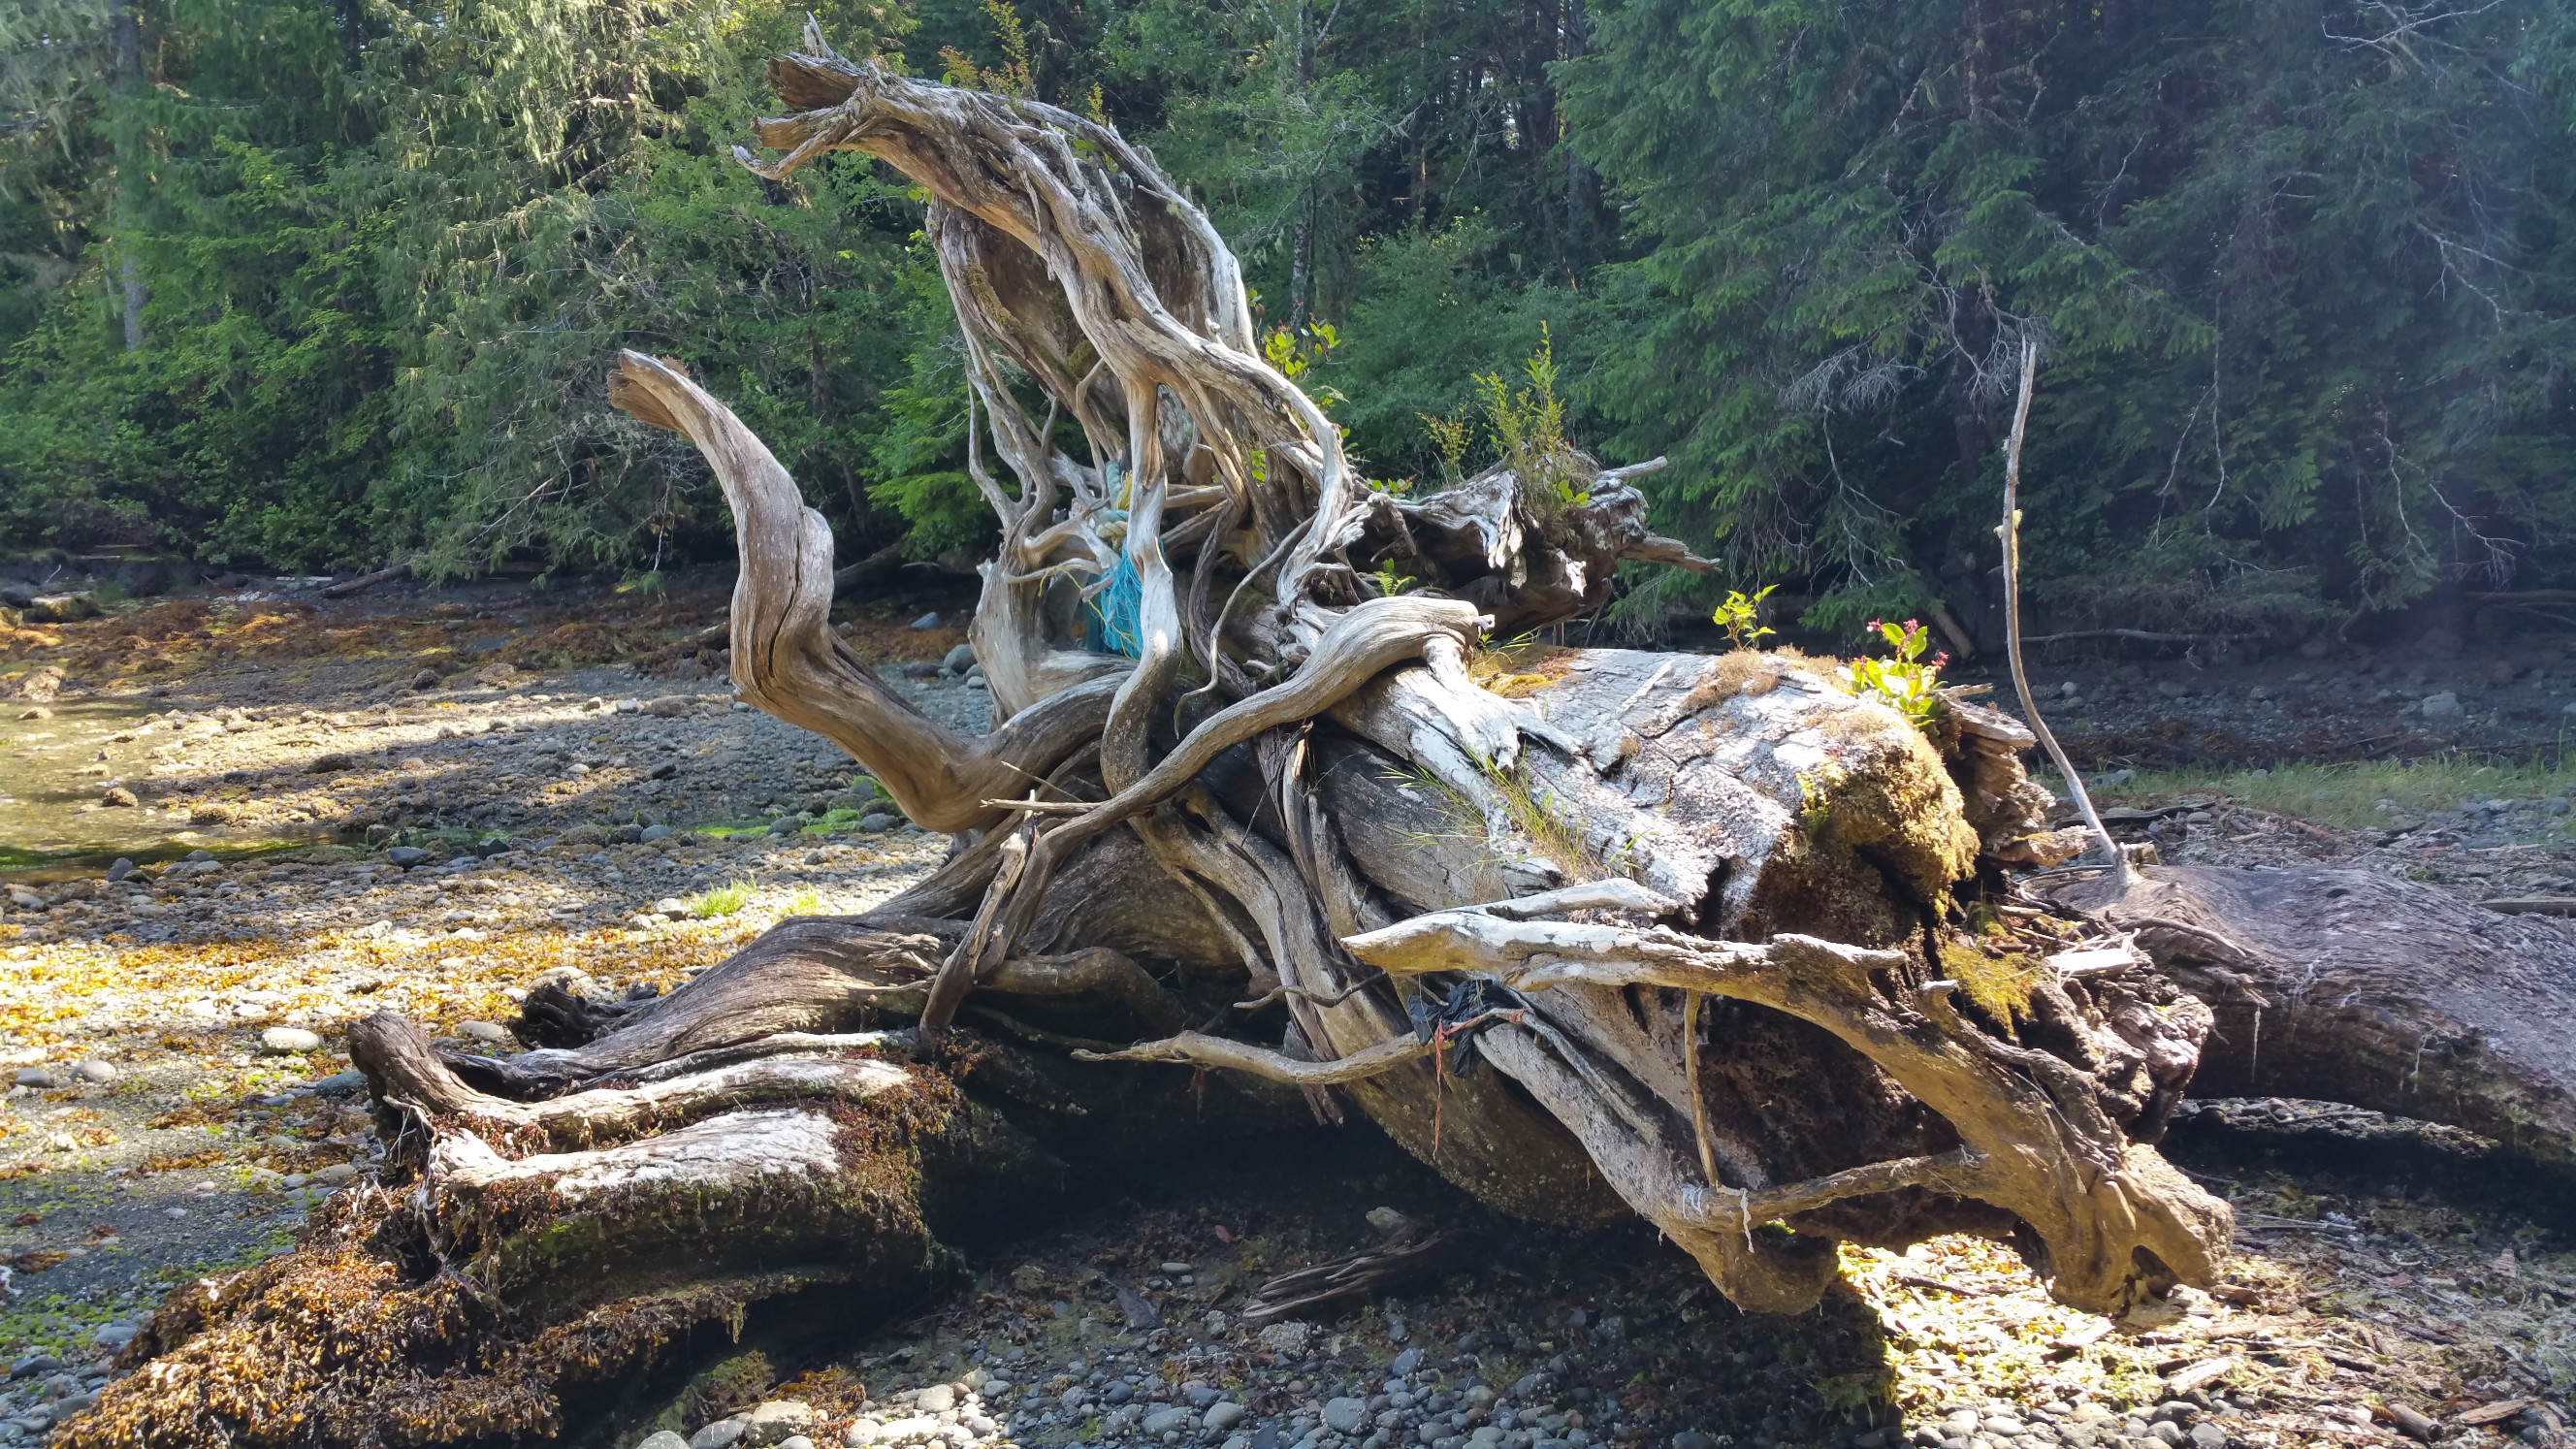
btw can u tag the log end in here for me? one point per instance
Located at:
(628, 393)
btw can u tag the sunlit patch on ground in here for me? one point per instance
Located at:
(2325, 1323)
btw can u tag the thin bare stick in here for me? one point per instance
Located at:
(1699, 1104)
(2011, 533)
(1216, 1051)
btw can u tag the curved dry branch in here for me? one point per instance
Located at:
(787, 660)
(1067, 251)
(2118, 1223)
(1199, 1050)
(1355, 649)
(402, 1066)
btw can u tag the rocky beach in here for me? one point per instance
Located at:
(241, 821)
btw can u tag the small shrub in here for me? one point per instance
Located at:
(1295, 353)
(1907, 683)
(1529, 431)
(1740, 615)
(1449, 434)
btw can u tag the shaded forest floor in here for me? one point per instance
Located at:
(170, 1122)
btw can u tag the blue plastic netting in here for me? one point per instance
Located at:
(1115, 628)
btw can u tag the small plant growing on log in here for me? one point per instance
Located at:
(1529, 429)
(1448, 433)
(1740, 615)
(1389, 582)
(1907, 683)
(1295, 351)
(1815, 798)
(1014, 76)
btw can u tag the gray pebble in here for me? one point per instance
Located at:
(289, 1041)
(719, 1435)
(927, 621)
(662, 1439)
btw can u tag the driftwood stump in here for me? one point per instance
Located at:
(1712, 940)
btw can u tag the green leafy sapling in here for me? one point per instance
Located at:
(1740, 615)
(1296, 351)
(1449, 434)
(1529, 428)
(1907, 683)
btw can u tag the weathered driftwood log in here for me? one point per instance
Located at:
(1712, 940)
(2356, 987)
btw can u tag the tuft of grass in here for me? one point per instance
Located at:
(1529, 809)
(805, 903)
(724, 900)
(836, 822)
(2350, 796)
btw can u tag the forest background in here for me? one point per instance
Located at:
(321, 284)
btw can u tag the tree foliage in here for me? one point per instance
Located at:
(2301, 270)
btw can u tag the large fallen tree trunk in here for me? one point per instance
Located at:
(1715, 940)
(2356, 987)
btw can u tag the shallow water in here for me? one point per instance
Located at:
(50, 787)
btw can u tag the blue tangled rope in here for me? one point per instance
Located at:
(1117, 612)
(1116, 624)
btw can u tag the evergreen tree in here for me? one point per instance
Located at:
(2301, 269)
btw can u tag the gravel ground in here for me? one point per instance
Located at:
(1126, 1329)
(183, 1099)
(172, 1026)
